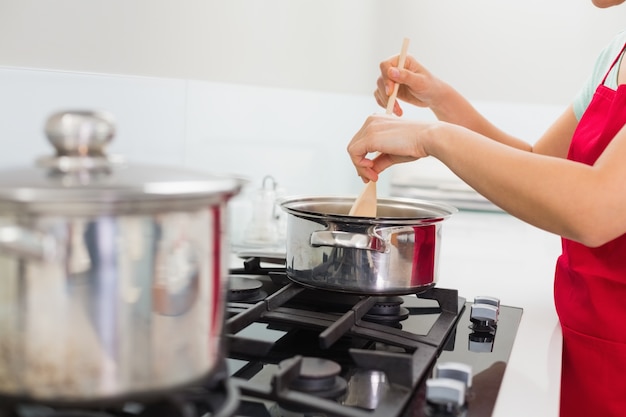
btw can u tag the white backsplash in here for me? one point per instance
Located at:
(297, 137)
(150, 112)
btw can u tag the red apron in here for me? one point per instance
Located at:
(590, 286)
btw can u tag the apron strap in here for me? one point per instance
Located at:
(613, 64)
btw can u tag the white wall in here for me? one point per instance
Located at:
(278, 87)
(536, 51)
(249, 131)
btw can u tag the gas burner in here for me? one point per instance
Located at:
(387, 311)
(317, 376)
(245, 289)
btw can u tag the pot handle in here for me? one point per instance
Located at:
(26, 244)
(347, 240)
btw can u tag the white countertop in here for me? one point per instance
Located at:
(495, 254)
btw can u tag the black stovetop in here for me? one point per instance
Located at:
(382, 360)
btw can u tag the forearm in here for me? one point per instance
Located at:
(452, 107)
(551, 193)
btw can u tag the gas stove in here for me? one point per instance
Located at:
(298, 351)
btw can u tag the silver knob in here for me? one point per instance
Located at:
(455, 370)
(484, 318)
(484, 313)
(485, 299)
(445, 391)
(80, 133)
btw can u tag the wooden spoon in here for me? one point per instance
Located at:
(365, 205)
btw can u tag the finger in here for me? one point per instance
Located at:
(368, 175)
(380, 84)
(389, 85)
(411, 65)
(381, 163)
(358, 149)
(359, 157)
(397, 109)
(378, 98)
(364, 166)
(404, 76)
(366, 171)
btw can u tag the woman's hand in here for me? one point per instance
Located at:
(397, 140)
(417, 86)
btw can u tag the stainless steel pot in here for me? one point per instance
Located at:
(112, 276)
(394, 253)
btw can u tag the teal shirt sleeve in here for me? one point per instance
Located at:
(602, 64)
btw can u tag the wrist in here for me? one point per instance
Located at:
(443, 103)
(435, 138)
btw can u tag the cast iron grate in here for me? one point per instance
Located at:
(339, 331)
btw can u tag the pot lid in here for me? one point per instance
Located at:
(81, 176)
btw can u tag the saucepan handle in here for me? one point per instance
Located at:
(348, 240)
(26, 244)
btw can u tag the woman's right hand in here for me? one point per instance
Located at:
(417, 85)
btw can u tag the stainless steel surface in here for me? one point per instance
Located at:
(391, 211)
(80, 133)
(366, 388)
(131, 304)
(395, 253)
(104, 295)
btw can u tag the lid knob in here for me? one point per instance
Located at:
(79, 138)
(80, 133)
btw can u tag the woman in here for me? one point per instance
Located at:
(572, 182)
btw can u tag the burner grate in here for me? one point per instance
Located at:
(277, 308)
(339, 330)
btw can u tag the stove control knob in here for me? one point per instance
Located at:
(486, 312)
(484, 317)
(485, 299)
(455, 370)
(445, 392)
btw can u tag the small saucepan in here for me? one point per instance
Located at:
(393, 254)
